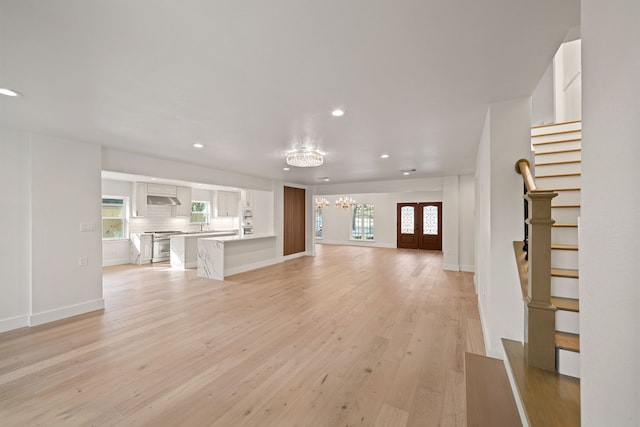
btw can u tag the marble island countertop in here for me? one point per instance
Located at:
(238, 237)
(207, 233)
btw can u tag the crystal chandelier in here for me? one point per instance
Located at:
(304, 158)
(321, 202)
(345, 202)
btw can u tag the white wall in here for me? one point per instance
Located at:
(15, 230)
(567, 82)
(126, 162)
(451, 222)
(499, 220)
(337, 221)
(542, 100)
(65, 193)
(609, 228)
(467, 223)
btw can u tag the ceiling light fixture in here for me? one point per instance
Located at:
(384, 156)
(321, 202)
(198, 145)
(406, 173)
(304, 158)
(338, 112)
(286, 169)
(345, 202)
(9, 92)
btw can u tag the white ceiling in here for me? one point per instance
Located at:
(249, 79)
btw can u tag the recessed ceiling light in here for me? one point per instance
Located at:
(9, 92)
(326, 179)
(338, 112)
(154, 179)
(198, 145)
(384, 156)
(406, 173)
(286, 169)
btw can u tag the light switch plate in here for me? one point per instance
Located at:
(87, 227)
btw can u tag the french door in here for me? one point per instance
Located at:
(419, 225)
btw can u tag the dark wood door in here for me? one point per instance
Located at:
(294, 220)
(419, 225)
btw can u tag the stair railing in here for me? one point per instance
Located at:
(540, 320)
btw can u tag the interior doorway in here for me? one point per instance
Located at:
(419, 225)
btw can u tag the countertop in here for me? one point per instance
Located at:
(238, 238)
(207, 233)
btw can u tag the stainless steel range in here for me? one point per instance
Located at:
(161, 249)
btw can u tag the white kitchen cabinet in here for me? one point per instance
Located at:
(228, 203)
(139, 206)
(161, 190)
(184, 195)
(141, 248)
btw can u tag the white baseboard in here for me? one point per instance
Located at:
(356, 243)
(14, 323)
(491, 352)
(253, 266)
(64, 312)
(468, 268)
(115, 261)
(451, 267)
(293, 256)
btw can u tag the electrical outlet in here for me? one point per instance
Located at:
(87, 227)
(83, 261)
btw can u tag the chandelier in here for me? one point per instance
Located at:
(345, 202)
(321, 202)
(304, 158)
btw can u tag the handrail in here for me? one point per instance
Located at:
(524, 168)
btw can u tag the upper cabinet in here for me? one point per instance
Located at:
(139, 205)
(228, 203)
(184, 196)
(161, 190)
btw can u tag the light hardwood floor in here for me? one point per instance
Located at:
(352, 337)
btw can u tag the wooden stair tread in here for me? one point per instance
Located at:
(548, 398)
(566, 304)
(565, 206)
(548, 125)
(563, 272)
(564, 247)
(567, 341)
(562, 162)
(490, 400)
(570, 150)
(560, 132)
(558, 175)
(560, 141)
(565, 225)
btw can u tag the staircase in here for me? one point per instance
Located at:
(557, 167)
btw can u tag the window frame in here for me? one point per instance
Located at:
(362, 219)
(318, 214)
(124, 218)
(207, 212)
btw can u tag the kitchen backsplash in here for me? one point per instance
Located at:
(159, 219)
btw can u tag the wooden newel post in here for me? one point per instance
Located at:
(540, 320)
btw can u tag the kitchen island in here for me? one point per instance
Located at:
(184, 247)
(223, 256)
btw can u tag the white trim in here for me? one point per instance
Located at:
(252, 266)
(451, 267)
(468, 268)
(14, 323)
(357, 243)
(64, 312)
(116, 261)
(514, 390)
(497, 354)
(294, 256)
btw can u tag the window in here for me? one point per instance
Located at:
(362, 222)
(318, 223)
(114, 218)
(200, 212)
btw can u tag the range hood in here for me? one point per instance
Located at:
(163, 200)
